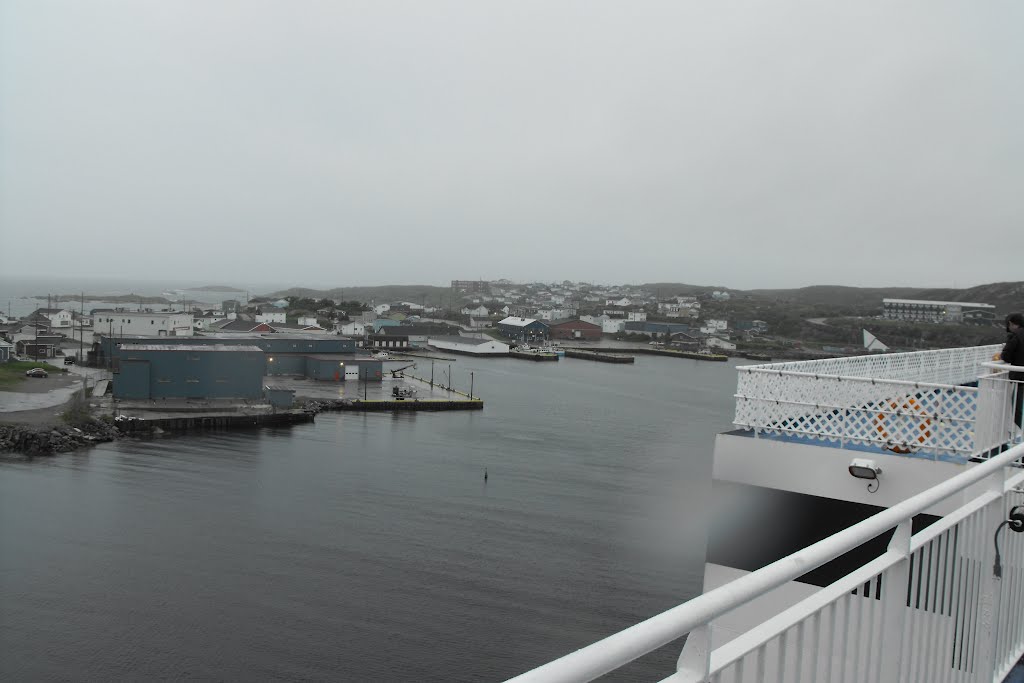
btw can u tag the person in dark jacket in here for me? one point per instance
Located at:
(1013, 353)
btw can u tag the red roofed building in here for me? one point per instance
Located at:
(574, 329)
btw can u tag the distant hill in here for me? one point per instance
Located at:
(1005, 296)
(214, 288)
(670, 289)
(418, 294)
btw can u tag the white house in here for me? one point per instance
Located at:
(280, 303)
(479, 311)
(636, 316)
(381, 309)
(553, 313)
(624, 301)
(595, 319)
(144, 323)
(720, 296)
(613, 326)
(716, 343)
(307, 320)
(203, 321)
(354, 328)
(713, 326)
(58, 317)
(271, 317)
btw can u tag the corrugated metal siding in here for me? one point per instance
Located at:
(193, 373)
(286, 365)
(132, 380)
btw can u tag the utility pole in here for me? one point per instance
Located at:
(471, 385)
(81, 327)
(431, 374)
(449, 377)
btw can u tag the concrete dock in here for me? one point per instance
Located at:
(205, 421)
(533, 355)
(671, 353)
(599, 357)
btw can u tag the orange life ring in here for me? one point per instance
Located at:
(910, 406)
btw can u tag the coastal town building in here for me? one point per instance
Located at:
(917, 310)
(613, 325)
(719, 343)
(387, 342)
(418, 334)
(523, 329)
(351, 329)
(574, 329)
(474, 346)
(323, 358)
(149, 323)
(470, 285)
(54, 317)
(214, 371)
(271, 317)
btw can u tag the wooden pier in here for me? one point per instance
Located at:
(599, 357)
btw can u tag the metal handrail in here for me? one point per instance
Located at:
(850, 378)
(625, 646)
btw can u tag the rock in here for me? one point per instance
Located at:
(61, 439)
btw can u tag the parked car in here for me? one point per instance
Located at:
(69, 360)
(36, 372)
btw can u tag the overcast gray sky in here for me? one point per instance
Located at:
(745, 144)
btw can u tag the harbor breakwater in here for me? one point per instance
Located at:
(56, 439)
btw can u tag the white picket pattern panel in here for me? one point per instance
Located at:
(908, 402)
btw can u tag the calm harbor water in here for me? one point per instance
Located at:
(368, 547)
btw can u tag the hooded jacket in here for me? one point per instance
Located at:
(1013, 352)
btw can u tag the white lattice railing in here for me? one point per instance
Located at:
(931, 608)
(907, 402)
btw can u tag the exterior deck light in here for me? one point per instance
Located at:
(866, 469)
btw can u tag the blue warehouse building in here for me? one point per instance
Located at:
(319, 357)
(202, 371)
(105, 347)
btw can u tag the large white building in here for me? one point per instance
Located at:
(918, 310)
(475, 346)
(144, 323)
(271, 317)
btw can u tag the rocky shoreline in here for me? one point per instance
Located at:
(48, 440)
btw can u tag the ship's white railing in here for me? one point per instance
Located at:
(908, 402)
(929, 609)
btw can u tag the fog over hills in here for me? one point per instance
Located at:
(1005, 296)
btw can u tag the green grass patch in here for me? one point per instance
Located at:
(13, 373)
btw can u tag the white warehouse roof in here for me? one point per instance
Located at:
(518, 322)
